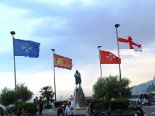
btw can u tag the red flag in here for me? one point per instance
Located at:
(109, 58)
(129, 44)
(62, 62)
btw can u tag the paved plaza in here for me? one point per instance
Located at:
(149, 111)
(52, 112)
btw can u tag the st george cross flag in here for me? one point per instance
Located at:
(109, 58)
(129, 44)
(26, 48)
(62, 62)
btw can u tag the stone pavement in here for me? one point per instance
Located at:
(149, 110)
(52, 112)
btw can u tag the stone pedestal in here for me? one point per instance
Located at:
(79, 100)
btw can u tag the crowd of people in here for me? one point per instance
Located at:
(65, 110)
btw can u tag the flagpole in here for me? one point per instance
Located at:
(100, 59)
(13, 33)
(116, 26)
(54, 74)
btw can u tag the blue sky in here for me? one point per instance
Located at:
(74, 28)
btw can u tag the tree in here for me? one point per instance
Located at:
(47, 93)
(111, 87)
(8, 96)
(23, 93)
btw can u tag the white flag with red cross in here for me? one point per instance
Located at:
(129, 44)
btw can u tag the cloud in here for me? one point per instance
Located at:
(96, 23)
(75, 29)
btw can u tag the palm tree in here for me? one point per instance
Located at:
(47, 93)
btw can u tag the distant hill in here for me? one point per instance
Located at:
(141, 88)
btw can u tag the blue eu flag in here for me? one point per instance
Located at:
(26, 48)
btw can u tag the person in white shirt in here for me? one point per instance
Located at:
(68, 110)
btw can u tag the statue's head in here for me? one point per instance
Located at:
(76, 71)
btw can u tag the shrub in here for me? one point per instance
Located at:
(120, 103)
(28, 107)
(101, 104)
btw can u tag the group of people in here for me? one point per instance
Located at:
(65, 110)
(38, 104)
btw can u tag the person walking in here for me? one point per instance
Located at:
(40, 105)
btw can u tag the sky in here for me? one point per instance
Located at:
(74, 28)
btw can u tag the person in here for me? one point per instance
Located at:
(64, 105)
(88, 109)
(37, 103)
(72, 100)
(20, 112)
(92, 108)
(68, 110)
(77, 76)
(23, 112)
(40, 105)
(60, 111)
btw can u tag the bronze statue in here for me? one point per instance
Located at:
(77, 76)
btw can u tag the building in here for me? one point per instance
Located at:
(142, 88)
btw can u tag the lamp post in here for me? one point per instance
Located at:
(13, 33)
(53, 50)
(100, 59)
(116, 26)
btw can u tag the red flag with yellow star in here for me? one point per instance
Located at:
(62, 62)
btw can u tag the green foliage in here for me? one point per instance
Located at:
(111, 87)
(28, 107)
(101, 104)
(22, 93)
(120, 103)
(47, 93)
(8, 96)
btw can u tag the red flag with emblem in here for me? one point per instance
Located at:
(62, 62)
(109, 58)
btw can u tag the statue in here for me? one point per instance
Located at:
(77, 76)
(79, 98)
